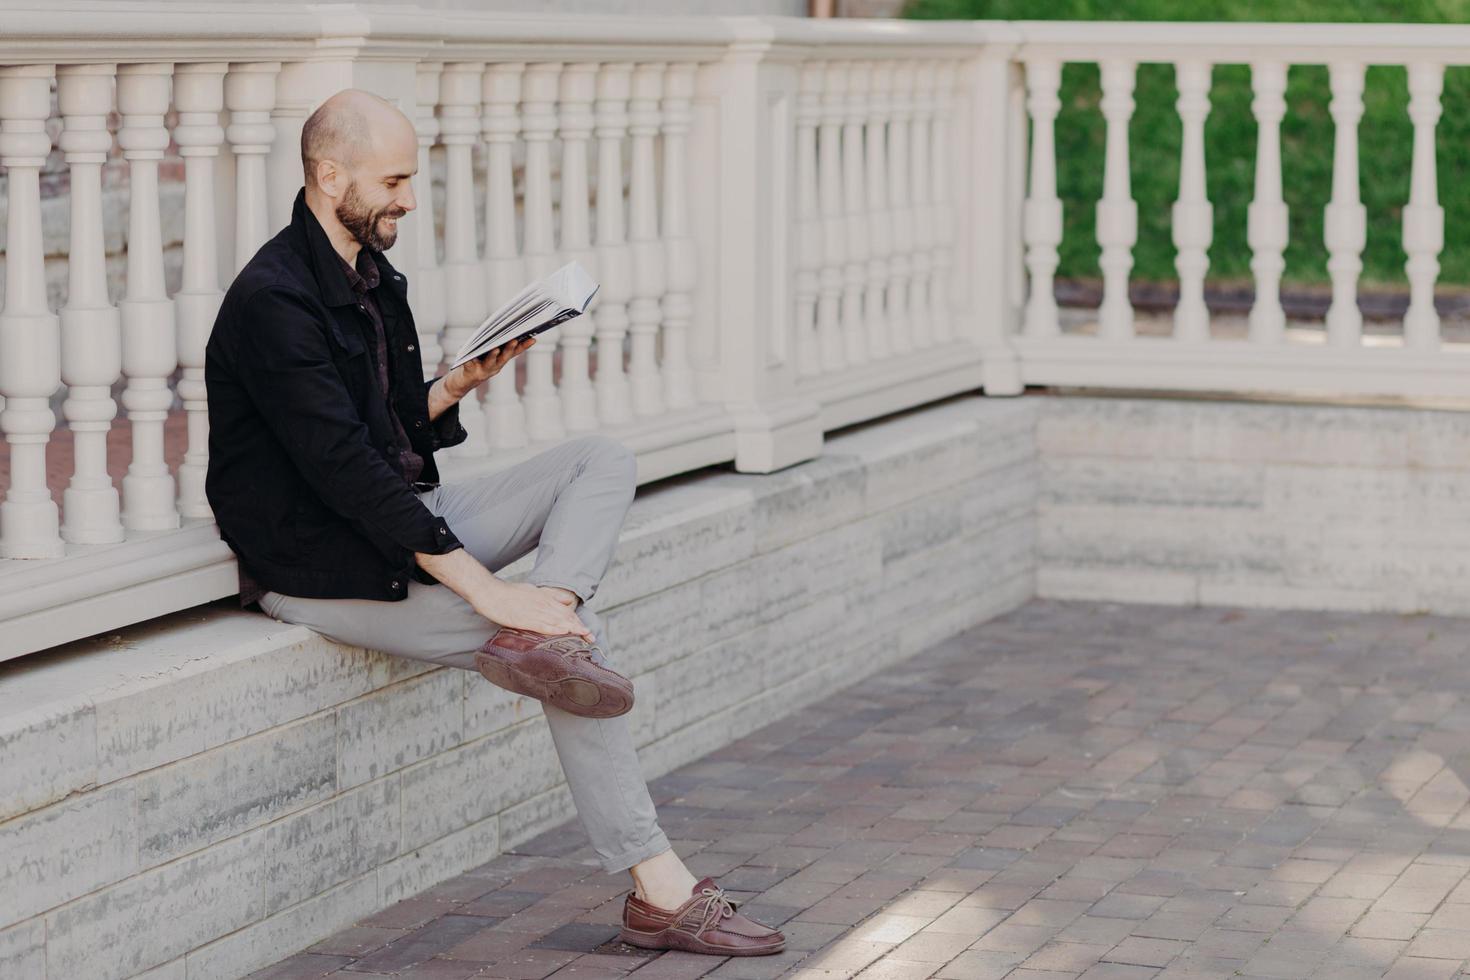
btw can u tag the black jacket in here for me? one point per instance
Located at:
(299, 433)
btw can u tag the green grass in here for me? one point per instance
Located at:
(1384, 140)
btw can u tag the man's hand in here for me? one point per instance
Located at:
(471, 374)
(518, 605)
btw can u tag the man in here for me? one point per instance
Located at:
(322, 479)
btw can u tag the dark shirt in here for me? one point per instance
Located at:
(320, 437)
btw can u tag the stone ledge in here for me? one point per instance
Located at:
(252, 776)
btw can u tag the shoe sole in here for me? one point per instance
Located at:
(685, 943)
(574, 695)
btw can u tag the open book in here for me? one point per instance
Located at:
(543, 304)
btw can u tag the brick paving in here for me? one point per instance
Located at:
(1074, 790)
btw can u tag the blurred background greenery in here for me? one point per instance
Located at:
(1384, 141)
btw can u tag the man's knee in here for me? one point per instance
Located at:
(607, 455)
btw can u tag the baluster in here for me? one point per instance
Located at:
(680, 258)
(428, 278)
(199, 97)
(30, 334)
(834, 246)
(920, 311)
(150, 347)
(1117, 213)
(809, 227)
(464, 281)
(505, 273)
(880, 222)
(1193, 217)
(1043, 210)
(941, 222)
(543, 408)
(1267, 225)
(900, 327)
(1423, 218)
(648, 251)
(1345, 224)
(250, 95)
(854, 224)
(578, 86)
(91, 337)
(614, 258)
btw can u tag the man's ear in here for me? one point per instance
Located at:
(329, 177)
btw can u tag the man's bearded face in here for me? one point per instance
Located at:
(375, 229)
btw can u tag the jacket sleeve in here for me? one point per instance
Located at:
(447, 430)
(286, 366)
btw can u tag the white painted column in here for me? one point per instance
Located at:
(809, 222)
(1117, 212)
(30, 334)
(250, 95)
(681, 258)
(614, 258)
(578, 87)
(942, 165)
(543, 407)
(1193, 216)
(199, 96)
(505, 273)
(834, 244)
(854, 220)
(880, 221)
(150, 343)
(1043, 210)
(1345, 224)
(648, 251)
(921, 313)
(900, 325)
(426, 281)
(91, 334)
(1267, 224)
(1423, 217)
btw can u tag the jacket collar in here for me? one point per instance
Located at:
(326, 264)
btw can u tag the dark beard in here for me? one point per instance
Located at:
(363, 224)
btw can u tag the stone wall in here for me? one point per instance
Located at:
(1294, 506)
(200, 795)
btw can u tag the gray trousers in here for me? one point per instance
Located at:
(569, 504)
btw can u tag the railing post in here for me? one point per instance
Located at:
(992, 249)
(747, 254)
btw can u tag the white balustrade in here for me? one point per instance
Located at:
(1423, 217)
(1194, 221)
(538, 119)
(941, 194)
(250, 95)
(426, 280)
(643, 239)
(30, 334)
(505, 416)
(854, 223)
(578, 89)
(880, 222)
(810, 224)
(199, 96)
(91, 332)
(1267, 224)
(920, 314)
(1117, 213)
(464, 281)
(614, 258)
(150, 344)
(1345, 224)
(1043, 214)
(834, 245)
(900, 322)
(680, 257)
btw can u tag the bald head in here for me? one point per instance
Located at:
(345, 129)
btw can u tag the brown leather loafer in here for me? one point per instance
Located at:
(558, 670)
(707, 923)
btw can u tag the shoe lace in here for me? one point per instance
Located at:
(572, 646)
(716, 907)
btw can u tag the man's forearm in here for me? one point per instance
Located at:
(441, 397)
(464, 575)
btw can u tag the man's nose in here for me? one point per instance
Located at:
(407, 201)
